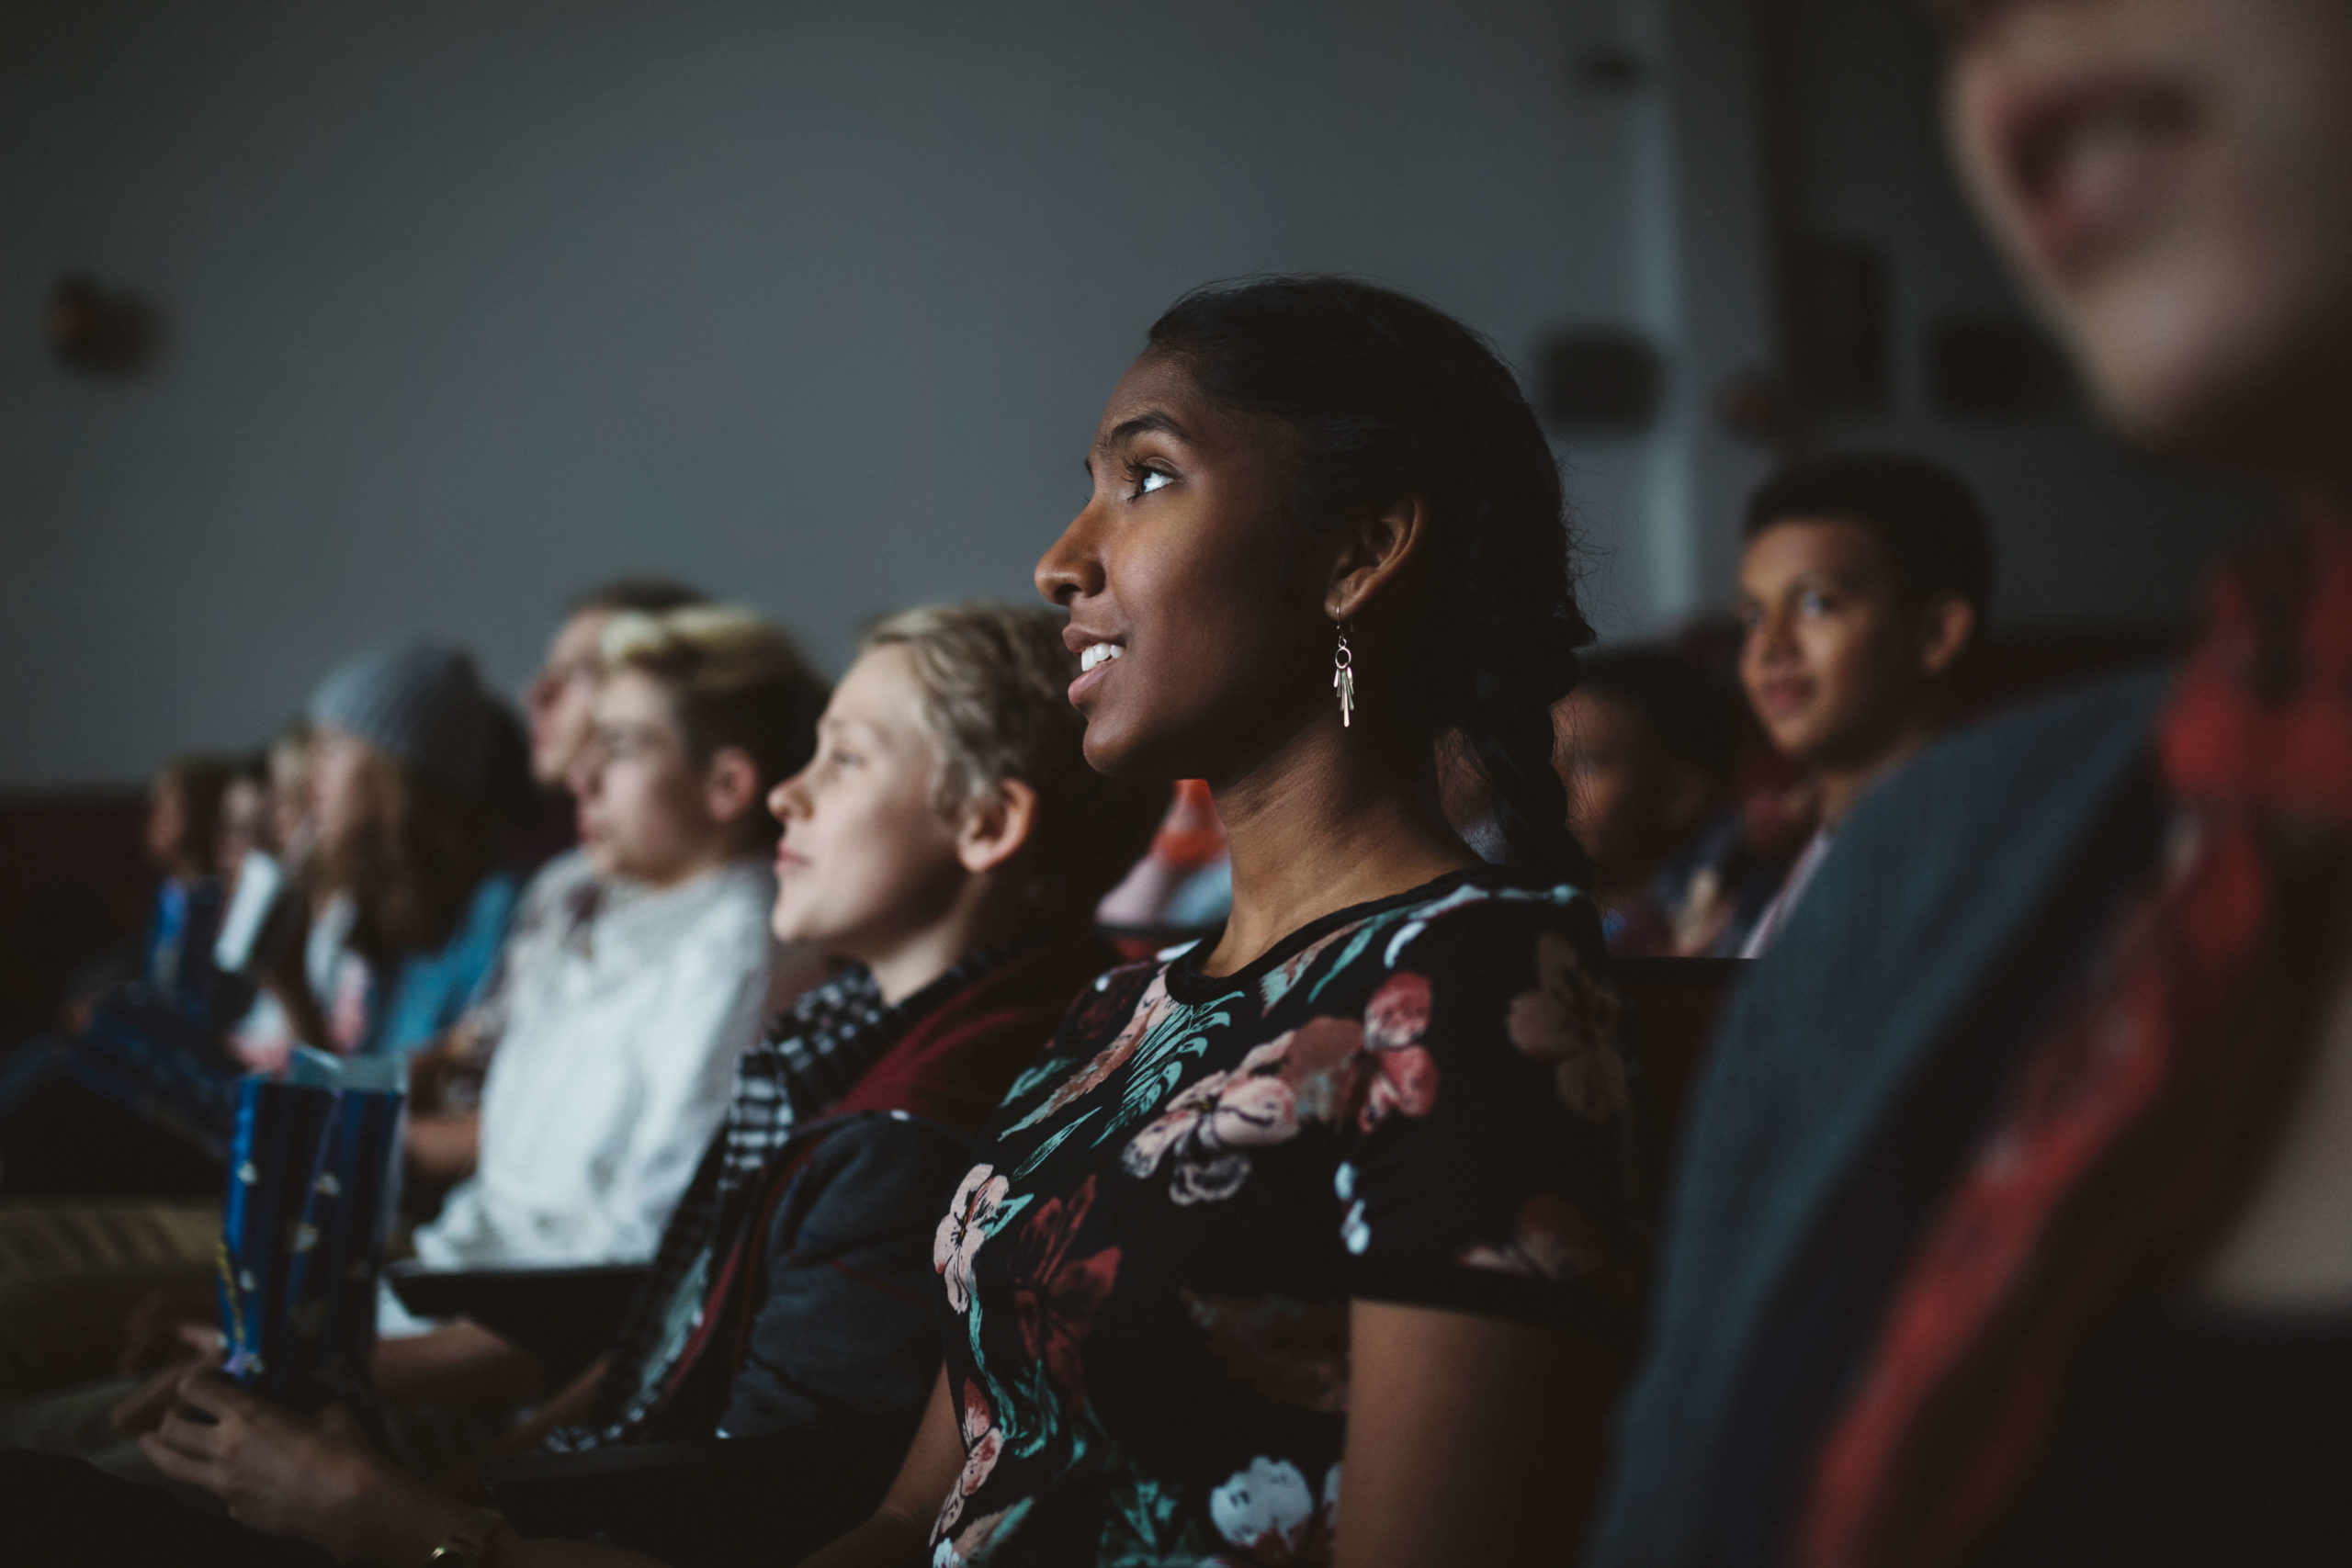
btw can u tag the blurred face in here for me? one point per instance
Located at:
(1632, 803)
(1200, 651)
(2172, 180)
(646, 811)
(292, 823)
(166, 823)
(244, 822)
(342, 779)
(560, 698)
(1831, 656)
(866, 858)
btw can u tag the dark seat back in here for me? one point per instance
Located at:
(1676, 1003)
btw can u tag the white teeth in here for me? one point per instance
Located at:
(1097, 653)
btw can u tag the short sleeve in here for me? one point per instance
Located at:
(1490, 1166)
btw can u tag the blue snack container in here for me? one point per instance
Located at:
(313, 1180)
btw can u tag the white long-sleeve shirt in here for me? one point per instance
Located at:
(611, 1075)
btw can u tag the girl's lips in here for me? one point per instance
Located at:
(1783, 696)
(1087, 682)
(2087, 160)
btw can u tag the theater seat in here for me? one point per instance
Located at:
(708, 1504)
(563, 1317)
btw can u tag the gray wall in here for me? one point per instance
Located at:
(2085, 530)
(815, 306)
(472, 305)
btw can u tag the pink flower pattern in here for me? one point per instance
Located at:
(1328, 1069)
(1398, 1013)
(1055, 1295)
(980, 1537)
(969, 1216)
(1569, 1021)
(1211, 1121)
(982, 1444)
(1551, 1239)
(1151, 1008)
(1271, 1518)
(1256, 1105)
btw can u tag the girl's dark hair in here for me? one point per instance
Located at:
(200, 781)
(411, 864)
(1390, 398)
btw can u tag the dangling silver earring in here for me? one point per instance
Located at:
(1343, 678)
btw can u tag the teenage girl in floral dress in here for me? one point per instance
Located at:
(1316, 1241)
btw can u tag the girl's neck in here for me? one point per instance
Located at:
(1328, 821)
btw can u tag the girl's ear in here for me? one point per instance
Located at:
(731, 785)
(1373, 552)
(993, 827)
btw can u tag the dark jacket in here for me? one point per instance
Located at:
(845, 1327)
(1862, 1055)
(824, 1351)
(829, 1314)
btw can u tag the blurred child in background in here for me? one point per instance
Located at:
(1647, 744)
(1866, 579)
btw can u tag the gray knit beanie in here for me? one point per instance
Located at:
(420, 704)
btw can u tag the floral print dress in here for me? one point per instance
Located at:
(1148, 1273)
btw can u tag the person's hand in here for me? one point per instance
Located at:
(201, 1348)
(313, 1476)
(442, 1146)
(164, 1326)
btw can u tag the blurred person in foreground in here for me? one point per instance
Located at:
(1647, 745)
(2010, 1225)
(1865, 581)
(948, 844)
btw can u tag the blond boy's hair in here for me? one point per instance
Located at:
(732, 680)
(995, 680)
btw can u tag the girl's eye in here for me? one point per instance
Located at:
(1149, 479)
(1813, 603)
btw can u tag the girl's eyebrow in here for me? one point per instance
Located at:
(1138, 425)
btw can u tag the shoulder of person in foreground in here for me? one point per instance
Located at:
(1933, 882)
(1932, 875)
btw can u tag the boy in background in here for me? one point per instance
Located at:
(1866, 579)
